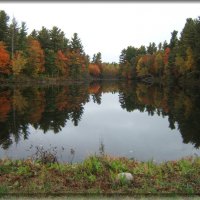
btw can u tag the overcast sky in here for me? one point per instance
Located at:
(106, 27)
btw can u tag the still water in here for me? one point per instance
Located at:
(128, 119)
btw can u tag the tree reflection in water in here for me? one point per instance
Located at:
(52, 107)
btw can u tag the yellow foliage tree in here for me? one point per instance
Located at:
(141, 68)
(158, 63)
(189, 63)
(180, 63)
(18, 63)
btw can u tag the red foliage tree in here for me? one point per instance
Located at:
(4, 59)
(166, 56)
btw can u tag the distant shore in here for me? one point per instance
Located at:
(43, 81)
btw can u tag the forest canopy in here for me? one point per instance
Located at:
(48, 53)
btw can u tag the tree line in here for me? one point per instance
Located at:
(178, 59)
(48, 53)
(41, 53)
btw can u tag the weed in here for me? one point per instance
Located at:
(24, 170)
(187, 188)
(93, 165)
(185, 166)
(4, 169)
(122, 180)
(50, 155)
(3, 189)
(72, 153)
(56, 166)
(101, 148)
(45, 156)
(92, 178)
(117, 166)
(47, 186)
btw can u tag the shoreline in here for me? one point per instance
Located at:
(96, 175)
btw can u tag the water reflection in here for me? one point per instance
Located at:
(53, 109)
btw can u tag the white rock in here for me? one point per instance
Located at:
(124, 176)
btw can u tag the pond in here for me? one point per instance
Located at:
(116, 118)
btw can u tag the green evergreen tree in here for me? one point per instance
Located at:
(44, 38)
(4, 18)
(188, 34)
(22, 37)
(173, 45)
(151, 49)
(34, 34)
(142, 50)
(160, 46)
(76, 44)
(97, 59)
(174, 40)
(197, 43)
(58, 40)
(165, 45)
(50, 66)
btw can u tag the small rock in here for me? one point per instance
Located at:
(125, 176)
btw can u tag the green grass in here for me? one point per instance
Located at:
(97, 175)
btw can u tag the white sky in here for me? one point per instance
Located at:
(106, 27)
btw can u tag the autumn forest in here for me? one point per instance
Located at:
(49, 54)
(71, 122)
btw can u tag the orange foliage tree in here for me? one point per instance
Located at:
(61, 63)
(35, 57)
(4, 59)
(166, 56)
(94, 70)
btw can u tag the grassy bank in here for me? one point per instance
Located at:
(97, 175)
